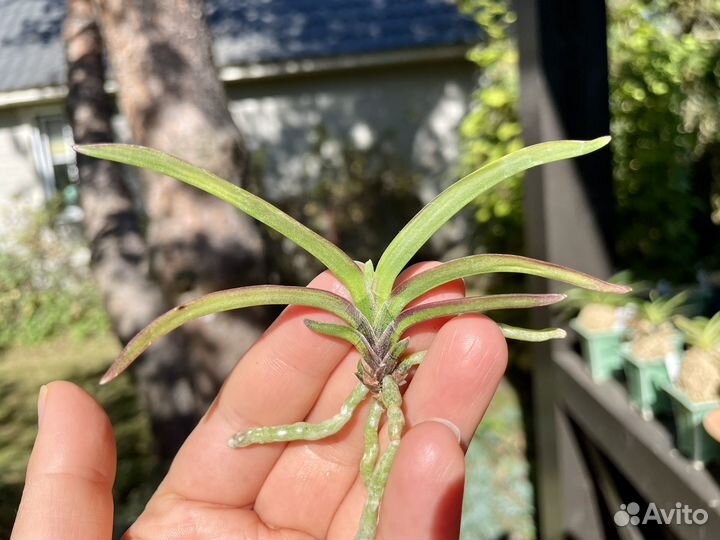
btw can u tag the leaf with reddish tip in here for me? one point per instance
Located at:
(262, 295)
(326, 252)
(443, 207)
(473, 304)
(491, 263)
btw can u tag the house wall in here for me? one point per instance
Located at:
(18, 178)
(416, 109)
(20, 185)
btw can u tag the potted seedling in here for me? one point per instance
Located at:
(376, 317)
(600, 325)
(652, 357)
(697, 389)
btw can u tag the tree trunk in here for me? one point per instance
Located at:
(119, 253)
(170, 94)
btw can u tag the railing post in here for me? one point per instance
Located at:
(568, 214)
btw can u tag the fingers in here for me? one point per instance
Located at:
(276, 382)
(454, 385)
(311, 479)
(68, 487)
(459, 376)
(423, 499)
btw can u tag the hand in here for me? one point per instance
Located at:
(279, 491)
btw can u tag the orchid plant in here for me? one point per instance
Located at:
(377, 315)
(700, 332)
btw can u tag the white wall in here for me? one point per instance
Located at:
(416, 107)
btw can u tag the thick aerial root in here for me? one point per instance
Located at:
(372, 442)
(302, 430)
(392, 401)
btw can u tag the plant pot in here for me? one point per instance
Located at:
(647, 378)
(690, 436)
(601, 351)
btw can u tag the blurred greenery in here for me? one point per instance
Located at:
(491, 129)
(23, 370)
(665, 106)
(498, 501)
(45, 283)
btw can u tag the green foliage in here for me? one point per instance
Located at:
(700, 332)
(664, 75)
(44, 289)
(660, 310)
(492, 127)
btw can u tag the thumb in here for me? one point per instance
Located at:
(68, 486)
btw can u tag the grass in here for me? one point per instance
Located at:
(23, 370)
(498, 494)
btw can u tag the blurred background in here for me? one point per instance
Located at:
(350, 115)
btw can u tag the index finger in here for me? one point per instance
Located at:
(294, 363)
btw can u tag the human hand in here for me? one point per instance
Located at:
(285, 491)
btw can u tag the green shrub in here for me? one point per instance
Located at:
(45, 285)
(492, 129)
(664, 74)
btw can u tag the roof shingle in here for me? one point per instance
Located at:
(246, 32)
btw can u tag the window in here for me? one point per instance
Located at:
(56, 163)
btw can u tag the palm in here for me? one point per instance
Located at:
(312, 489)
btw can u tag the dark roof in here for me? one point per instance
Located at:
(246, 32)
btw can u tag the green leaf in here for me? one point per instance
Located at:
(473, 304)
(443, 207)
(534, 336)
(261, 295)
(326, 252)
(491, 263)
(339, 331)
(700, 332)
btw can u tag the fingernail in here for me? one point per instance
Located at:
(448, 424)
(42, 397)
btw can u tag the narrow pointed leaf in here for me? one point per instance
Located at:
(339, 331)
(262, 295)
(534, 336)
(326, 252)
(443, 207)
(473, 304)
(490, 263)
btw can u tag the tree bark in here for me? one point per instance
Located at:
(173, 100)
(119, 254)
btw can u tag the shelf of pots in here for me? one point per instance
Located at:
(696, 392)
(601, 324)
(643, 452)
(652, 356)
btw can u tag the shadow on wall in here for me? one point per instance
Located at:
(355, 155)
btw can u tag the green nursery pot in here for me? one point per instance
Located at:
(646, 380)
(691, 438)
(601, 351)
